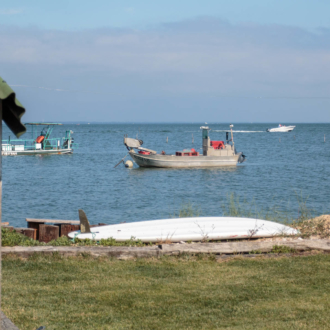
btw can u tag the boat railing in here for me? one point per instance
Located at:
(31, 144)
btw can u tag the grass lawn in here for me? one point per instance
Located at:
(167, 293)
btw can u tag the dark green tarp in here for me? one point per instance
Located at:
(12, 109)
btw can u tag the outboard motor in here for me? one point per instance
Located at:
(241, 158)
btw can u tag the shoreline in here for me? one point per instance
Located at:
(282, 246)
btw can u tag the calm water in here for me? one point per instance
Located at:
(278, 166)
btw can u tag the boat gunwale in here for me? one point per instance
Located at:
(183, 158)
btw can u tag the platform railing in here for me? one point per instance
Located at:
(30, 144)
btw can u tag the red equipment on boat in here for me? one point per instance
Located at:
(187, 152)
(40, 138)
(144, 152)
(218, 144)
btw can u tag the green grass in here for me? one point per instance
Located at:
(12, 238)
(283, 249)
(187, 210)
(167, 293)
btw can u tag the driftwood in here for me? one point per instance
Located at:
(126, 252)
(42, 221)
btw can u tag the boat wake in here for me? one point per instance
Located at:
(238, 131)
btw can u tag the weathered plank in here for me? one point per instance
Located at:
(243, 247)
(124, 252)
(119, 252)
(42, 221)
(4, 223)
(48, 233)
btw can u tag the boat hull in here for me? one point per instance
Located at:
(171, 161)
(281, 129)
(36, 152)
(188, 229)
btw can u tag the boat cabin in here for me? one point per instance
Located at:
(215, 148)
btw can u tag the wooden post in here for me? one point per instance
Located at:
(29, 232)
(48, 232)
(65, 230)
(75, 227)
(36, 227)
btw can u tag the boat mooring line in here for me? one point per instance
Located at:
(121, 161)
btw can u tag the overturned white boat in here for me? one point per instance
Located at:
(281, 128)
(215, 154)
(183, 229)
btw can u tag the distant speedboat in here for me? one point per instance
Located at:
(281, 128)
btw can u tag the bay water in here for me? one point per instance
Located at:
(279, 168)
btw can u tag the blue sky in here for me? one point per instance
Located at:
(86, 14)
(168, 60)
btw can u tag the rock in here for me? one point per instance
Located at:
(6, 324)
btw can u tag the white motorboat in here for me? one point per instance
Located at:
(281, 128)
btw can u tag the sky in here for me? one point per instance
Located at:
(168, 61)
